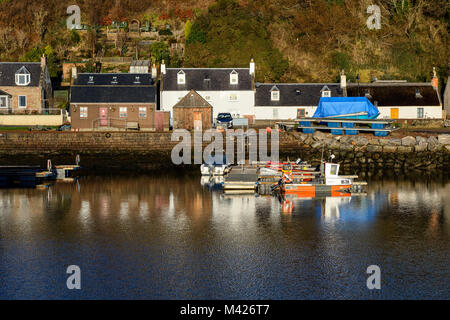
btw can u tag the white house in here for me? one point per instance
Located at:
(401, 100)
(289, 101)
(226, 89)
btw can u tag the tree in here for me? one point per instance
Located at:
(187, 29)
(160, 51)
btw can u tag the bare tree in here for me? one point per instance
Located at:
(39, 22)
(22, 39)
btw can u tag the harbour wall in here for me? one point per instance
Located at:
(135, 151)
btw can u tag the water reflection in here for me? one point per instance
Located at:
(181, 237)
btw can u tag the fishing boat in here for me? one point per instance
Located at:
(215, 166)
(328, 182)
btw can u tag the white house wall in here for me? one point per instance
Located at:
(281, 113)
(433, 112)
(220, 100)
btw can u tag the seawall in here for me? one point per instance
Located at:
(136, 151)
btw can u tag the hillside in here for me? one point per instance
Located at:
(291, 40)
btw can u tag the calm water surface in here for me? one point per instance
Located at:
(172, 238)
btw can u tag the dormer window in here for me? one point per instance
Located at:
(23, 77)
(114, 80)
(418, 94)
(326, 92)
(234, 77)
(181, 77)
(137, 80)
(275, 94)
(207, 83)
(91, 80)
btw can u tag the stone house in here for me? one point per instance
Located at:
(225, 89)
(113, 101)
(25, 87)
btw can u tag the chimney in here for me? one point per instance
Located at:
(163, 67)
(154, 72)
(43, 61)
(435, 80)
(252, 67)
(344, 83)
(74, 72)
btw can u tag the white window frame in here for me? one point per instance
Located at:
(23, 79)
(233, 97)
(234, 78)
(18, 102)
(84, 112)
(326, 94)
(142, 111)
(181, 77)
(123, 110)
(418, 113)
(275, 95)
(6, 101)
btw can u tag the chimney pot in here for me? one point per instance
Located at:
(163, 67)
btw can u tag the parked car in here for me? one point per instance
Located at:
(225, 120)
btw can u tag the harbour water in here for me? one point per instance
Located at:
(169, 237)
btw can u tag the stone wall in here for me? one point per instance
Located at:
(149, 150)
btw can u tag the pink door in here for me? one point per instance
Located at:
(159, 121)
(104, 117)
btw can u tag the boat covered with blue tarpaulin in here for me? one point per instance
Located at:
(346, 108)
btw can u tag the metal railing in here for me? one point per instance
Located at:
(109, 123)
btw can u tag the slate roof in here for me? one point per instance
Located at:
(207, 79)
(8, 73)
(112, 94)
(114, 79)
(113, 88)
(396, 94)
(295, 94)
(193, 99)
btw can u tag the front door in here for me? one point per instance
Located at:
(159, 121)
(394, 113)
(197, 120)
(104, 117)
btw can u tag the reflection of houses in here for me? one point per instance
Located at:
(115, 100)
(284, 101)
(190, 109)
(225, 89)
(25, 87)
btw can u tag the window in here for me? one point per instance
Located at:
(326, 94)
(142, 112)
(91, 80)
(23, 77)
(233, 97)
(300, 113)
(83, 112)
(3, 102)
(123, 112)
(234, 77)
(333, 170)
(114, 80)
(181, 77)
(275, 95)
(419, 113)
(22, 101)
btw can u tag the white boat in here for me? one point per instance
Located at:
(215, 167)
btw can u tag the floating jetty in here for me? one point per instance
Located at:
(261, 178)
(33, 175)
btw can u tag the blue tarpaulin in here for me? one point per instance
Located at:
(341, 106)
